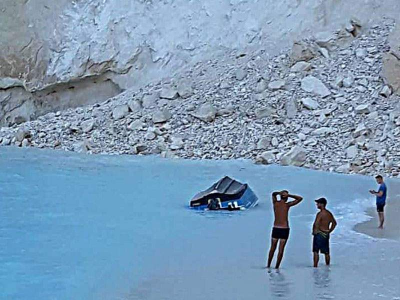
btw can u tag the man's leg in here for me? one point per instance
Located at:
(282, 245)
(327, 259)
(381, 219)
(274, 243)
(316, 259)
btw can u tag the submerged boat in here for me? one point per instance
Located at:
(226, 194)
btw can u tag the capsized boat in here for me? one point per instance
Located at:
(226, 194)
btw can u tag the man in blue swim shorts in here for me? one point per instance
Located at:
(323, 226)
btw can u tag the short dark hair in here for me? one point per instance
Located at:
(378, 177)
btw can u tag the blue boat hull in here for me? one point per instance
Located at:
(247, 200)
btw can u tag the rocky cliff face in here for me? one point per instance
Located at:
(59, 54)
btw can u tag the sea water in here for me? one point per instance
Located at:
(103, 227)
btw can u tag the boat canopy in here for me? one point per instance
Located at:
(226, 189)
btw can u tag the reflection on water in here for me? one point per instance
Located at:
(280, 286)
(322, 283)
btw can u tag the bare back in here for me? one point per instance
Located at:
(281, 212)
(324, 220)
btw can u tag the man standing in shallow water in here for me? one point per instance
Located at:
(280, 231)
(323, 226)
(380, 199)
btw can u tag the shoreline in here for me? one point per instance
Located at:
(391, 228)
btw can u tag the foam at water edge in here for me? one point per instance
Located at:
(349, 215)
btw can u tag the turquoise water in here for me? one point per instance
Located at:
(101, 227)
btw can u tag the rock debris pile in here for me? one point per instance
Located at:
(321, 105)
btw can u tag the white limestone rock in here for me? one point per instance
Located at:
(169, 92)
(276, 85)
(295, 157)
(362, 109)
(206, 112)
(313, 85)
(351, 152)
(120, 112)
(301, 66)
(161, 116)
(309, 103)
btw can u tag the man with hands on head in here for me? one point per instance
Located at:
(280, 231)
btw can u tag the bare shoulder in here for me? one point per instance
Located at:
(330, 214)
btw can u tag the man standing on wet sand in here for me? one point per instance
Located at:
(280, 231)
(380, 199)
(323, 226)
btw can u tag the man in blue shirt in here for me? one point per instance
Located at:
(380, 199)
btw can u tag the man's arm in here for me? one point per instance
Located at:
(377, 193)
(274, 199)
(333, 224)
(297, 200)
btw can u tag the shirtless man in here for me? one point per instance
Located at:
(280, 231)
(323, 226)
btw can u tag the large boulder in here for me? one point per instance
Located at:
(295, 157)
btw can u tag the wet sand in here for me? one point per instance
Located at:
(391, 228)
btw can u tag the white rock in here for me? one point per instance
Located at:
(6, 142)
(274, 142)
(313, 85)
(386, 91)
(361, 53)
(169, 92)
(351, 152)
(22, 133)
(261, 86)
(360, 130)
(161, 116)
(291, 108)
(136, 125)
(362, 109)
(177, 143)
(135, 106)
(267, 157)
(276, 85)
(302, 136)
(309, 103)
(348, 81)
(185, 89)
(310, 142)
(263, 143)
(87, 126)
(295, 157)
(25, 143)
(150, 136)
(120, 112)
(264, 112)
(323, 131)
(240, 74)
(343, 168)
(149, 101)
(206, 112)
(301, 66)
